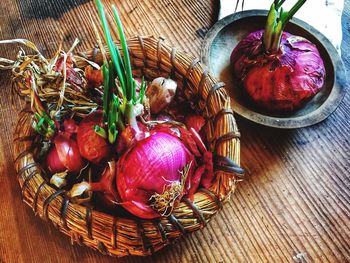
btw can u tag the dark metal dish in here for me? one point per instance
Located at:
(225, 35)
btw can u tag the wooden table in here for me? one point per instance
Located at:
(293, 205)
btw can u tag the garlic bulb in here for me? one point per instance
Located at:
(160, 93)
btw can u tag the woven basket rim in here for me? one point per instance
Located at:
(116, 236)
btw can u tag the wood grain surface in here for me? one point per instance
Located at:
(293, 205)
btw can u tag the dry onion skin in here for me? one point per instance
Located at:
(57, 82)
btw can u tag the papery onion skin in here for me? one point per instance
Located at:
(92, 146)
(278, 81)
(73, 77)
(147, 167)
(160, 93)
(94, 77)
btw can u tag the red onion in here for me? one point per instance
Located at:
(64, 155)
(105, 187)
(279, 71)
(53, 162)
(150, 168)
(279, 81)
(91, 145)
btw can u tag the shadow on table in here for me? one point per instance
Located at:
(47, 9)
(262, 147)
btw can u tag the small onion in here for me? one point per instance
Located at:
(91, 145)
(73, 76)
(103, 188)
(128, 135)
(53, 162)
(64, 155)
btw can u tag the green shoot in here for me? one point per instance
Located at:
(142, 90)
(270, 24)
(45, 126)
(100, 131)
(130, 90)
(105, 72)
(112, 133)
(99, 41)
(277, 20)
(114, 52)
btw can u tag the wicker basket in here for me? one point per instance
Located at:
(119, 236)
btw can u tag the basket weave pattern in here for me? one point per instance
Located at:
(119, 236)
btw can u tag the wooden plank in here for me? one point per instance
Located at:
(292, 207)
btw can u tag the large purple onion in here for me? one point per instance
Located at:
(150, 169)
(279, 71)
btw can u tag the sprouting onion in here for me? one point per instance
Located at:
(279, 71)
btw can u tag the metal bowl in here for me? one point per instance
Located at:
(225, 35)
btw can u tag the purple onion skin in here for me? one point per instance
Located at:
(280, 81)
(147, 167)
